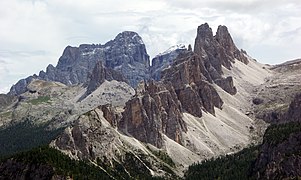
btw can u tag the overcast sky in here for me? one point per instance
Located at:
(34, 33)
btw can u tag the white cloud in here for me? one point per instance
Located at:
(34, 33)
(3, 77)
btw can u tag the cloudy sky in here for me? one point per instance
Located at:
(34, 33)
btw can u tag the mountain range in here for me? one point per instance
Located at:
(108, 112)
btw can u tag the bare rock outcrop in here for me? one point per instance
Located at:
(227, 84)
(21, 86)
(99, 75)
(91, 137)
(125, 54)
(224, 38)
(185, 86)
(110, 114)
(6, 100)
(280, 160)
(294, 111)
(165, 59)
(87, 137)
(217, 51)
(155, 111)
(192, 84)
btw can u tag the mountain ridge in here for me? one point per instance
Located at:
(201, 107)
(125, 54)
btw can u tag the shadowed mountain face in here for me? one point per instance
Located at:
(98, 76)
(164, 60)
(280, 152)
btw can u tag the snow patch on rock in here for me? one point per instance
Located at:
(171, 49)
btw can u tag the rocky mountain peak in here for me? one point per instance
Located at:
(224, 37)
(164, 60)
(204, 32)
(129, 37)
(126, 54)
(206, 47)
(68, 57)
(220, 48)
(215, 54)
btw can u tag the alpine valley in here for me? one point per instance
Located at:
(103, 112)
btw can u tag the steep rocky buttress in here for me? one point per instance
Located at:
(98, 76)
(218, 51)
(155, 110)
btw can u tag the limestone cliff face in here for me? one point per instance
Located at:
(99, 75)
(110, 114)
(218, 51)
(192, 84)
(88, 137)
(154, 111)
(225, 40)
(158, 106)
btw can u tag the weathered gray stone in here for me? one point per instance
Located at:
(217, 51)
(125, 54)
(154, 113)
(163, 60)
(98, 76)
